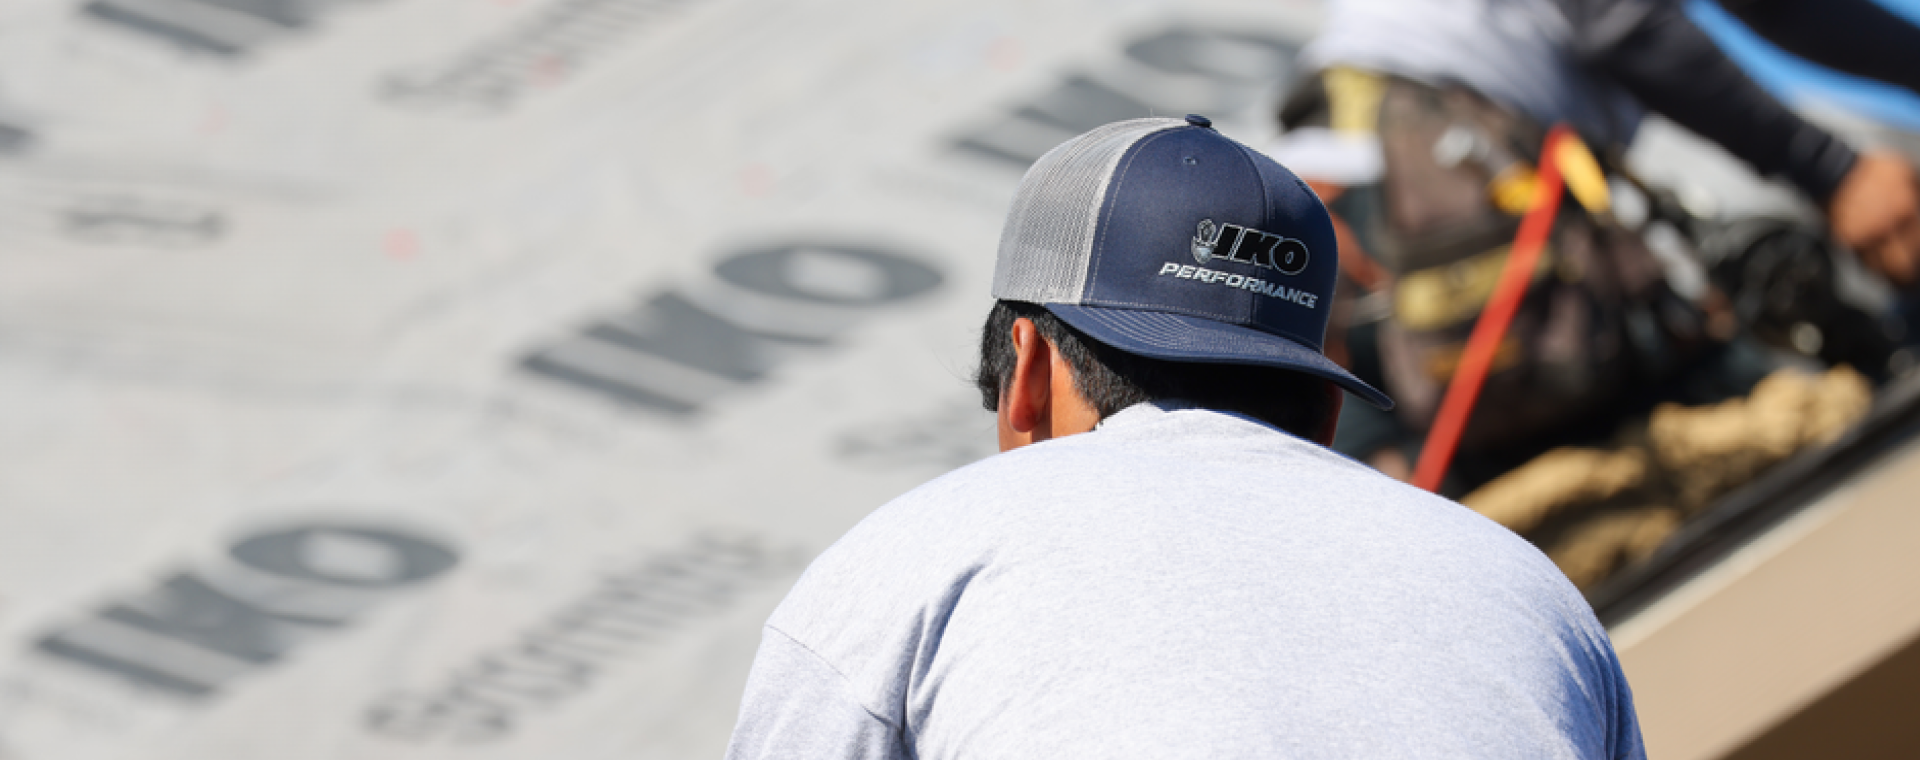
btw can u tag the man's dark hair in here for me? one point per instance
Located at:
(1112, 380)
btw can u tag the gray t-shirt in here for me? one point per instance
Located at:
(1182, 583)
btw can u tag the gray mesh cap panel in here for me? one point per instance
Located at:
(1047, 245)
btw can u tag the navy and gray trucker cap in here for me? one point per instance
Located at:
(1166, 239)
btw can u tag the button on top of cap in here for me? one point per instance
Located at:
(1199, 121)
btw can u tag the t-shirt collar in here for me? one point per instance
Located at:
(1145, 411)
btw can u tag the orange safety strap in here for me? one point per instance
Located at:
(1477, 358)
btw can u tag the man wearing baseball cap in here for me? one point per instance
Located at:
(1167, 560)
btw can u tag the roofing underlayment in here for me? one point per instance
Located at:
(427, 378)
(414, 378)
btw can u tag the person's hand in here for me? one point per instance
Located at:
(1876, 212)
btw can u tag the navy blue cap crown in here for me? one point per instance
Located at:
(1164, 238)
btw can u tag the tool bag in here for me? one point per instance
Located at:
(1458, 174)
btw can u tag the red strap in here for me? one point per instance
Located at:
(1475, 360)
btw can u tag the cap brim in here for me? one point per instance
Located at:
(1178, 337)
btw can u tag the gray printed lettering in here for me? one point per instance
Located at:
(841, 275)
(561, 657)
(138, 669)
(195, 631)
(531, 675)
(673, 354)
(187, 609)
(345, 556)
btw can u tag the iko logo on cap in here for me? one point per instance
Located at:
(1233, 242)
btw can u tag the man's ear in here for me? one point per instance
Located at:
(1026, 403)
